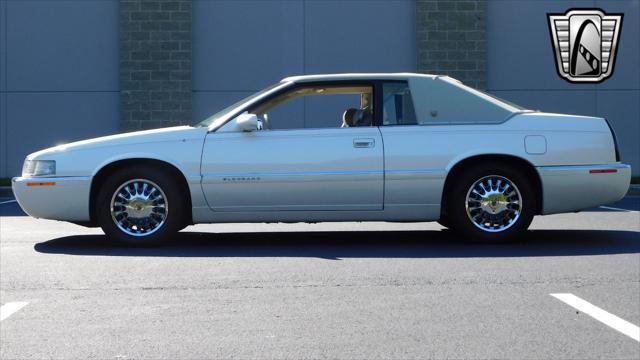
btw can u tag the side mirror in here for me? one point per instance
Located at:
(247, 122)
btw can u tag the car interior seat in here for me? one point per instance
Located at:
(364, 117)
(348, 117)
(357, 117)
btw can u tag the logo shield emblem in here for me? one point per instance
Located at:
(585, 42)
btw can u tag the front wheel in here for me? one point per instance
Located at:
(492, 203)
(140, 206)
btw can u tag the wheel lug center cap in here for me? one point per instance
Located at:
(139, 208)
(494, 202)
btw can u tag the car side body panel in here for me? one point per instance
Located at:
(310, 169)
(400, 179)
(572, 188)
(78, 163)
(419, 157)
(67, 200)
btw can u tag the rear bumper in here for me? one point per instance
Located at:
(56, 198)
(579, 187)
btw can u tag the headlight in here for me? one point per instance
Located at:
(39, 168)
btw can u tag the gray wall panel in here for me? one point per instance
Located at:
(39, 120)
(622, 109)
(519, 50)
(206, 104)
(625, 72)
(526, 63)
(3, 88)
(61, 75)
(3, 134)
(360, 36)
(245, 45)
(62, 45)
(558, 101)
(3, 45)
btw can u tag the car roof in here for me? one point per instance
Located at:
(357, 76)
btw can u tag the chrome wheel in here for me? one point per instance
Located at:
(139, 207)
(493, 203)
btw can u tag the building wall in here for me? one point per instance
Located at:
(274, 39)
(451, 39)
(522, 68)
(58, 75)
(155, 63)
(74, 69)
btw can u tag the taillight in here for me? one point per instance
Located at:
(615, 140)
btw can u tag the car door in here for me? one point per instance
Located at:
(297, 169)
(414, 169)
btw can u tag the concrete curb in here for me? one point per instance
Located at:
(5, 191)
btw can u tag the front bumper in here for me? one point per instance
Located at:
(579, 187)
(56, 198)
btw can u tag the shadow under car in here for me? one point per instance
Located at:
(356, 244)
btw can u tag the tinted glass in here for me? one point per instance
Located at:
(317, 106)
(397, 104)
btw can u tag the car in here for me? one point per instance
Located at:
(398, 147)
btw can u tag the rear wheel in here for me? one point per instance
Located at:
(141, 206)
(491, 203)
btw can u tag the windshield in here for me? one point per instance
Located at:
(221, 116)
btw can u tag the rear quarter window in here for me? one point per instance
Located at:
(397, 104)
(443, 100)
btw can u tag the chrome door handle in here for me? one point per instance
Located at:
(364, 143)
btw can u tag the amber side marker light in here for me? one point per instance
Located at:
(48, 183)
(602, 171)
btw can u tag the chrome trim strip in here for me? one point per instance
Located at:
(554, 168)
(429, 171)
(338, 172)
(300, 173)
(51, 178)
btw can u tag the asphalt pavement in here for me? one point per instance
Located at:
(341, 290)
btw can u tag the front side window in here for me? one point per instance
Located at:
(318, 106)
(397, 104)
(221, 116)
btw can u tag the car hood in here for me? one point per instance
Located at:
(176, 133)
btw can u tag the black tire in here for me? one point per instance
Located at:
(514, 225)
(176, 206)
(444, 221)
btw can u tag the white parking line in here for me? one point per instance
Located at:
(6, 202)
(613, 208)
(603, 316)
(9, 308)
